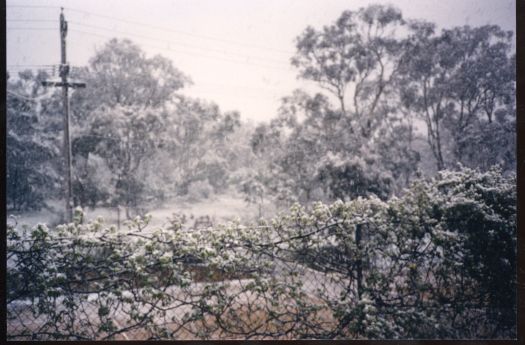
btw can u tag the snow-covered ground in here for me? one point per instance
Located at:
(220, 208)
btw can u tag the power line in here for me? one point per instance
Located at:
(179, 31)
(164, 48)
(50, 65)
(30, 20)
(32, 99)
(194, 54)
(172, 42)
(32, 69)
(29, 28)
(155, 27)
(243, 87)
(32, 6)
(211, 94)
(16, 71)
(16, 74)
(263, 94)
(20, 68)
(50, 70)
(21, 96)
(186, 53)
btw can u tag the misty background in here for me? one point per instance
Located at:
(236, 52)
(262, 170)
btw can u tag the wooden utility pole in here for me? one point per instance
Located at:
(64, 73)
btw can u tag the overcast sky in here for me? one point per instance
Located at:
(237, 52)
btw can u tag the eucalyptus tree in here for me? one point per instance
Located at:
(356, 62)
(462, 83)
(33, 167)
(120, 118)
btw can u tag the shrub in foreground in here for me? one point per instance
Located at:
(438, 262)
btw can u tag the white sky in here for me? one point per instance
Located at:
(237, 52)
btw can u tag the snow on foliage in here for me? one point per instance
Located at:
(438, 262)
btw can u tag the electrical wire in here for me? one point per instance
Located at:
(179, 31)
(21, 96)
(150, 38)
(18, 69)
(219, 93)
(194, 54)
(32, 6)
(198, 55)
(50, 65)
(174, 42)
(31, 20)
(30, 29)
(15, 72)
(32, 99)
(155, 27)
(163, 48)
(243, 87)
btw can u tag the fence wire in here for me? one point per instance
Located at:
(292, 281)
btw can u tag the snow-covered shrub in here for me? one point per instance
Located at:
(438, 262)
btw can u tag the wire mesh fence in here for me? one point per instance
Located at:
(332, 272)
(268, 299)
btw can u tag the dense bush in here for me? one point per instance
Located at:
(439, 262)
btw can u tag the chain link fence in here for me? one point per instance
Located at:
(271, 299)
(364, 269)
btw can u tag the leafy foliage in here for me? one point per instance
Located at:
(151, 140)
(32, 148)
(437, 263)
(458, 81)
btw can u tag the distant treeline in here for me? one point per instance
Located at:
(397, 100)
